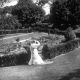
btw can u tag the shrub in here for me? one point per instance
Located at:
(12, 59)
(27, 12)
(65, 14)
(45, 52)
(51, 52)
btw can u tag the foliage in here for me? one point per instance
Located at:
(66, 14)
(27, 12)
(45, 52)
(51, 52)
(70, 34)
(15, 58)
(10, 22)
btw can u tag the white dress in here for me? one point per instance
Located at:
(37, 58)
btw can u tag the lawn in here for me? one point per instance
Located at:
(9, 53)
(7, 41)
(64, 67)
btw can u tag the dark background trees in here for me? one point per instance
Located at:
(66, 14)
(10, 22)
(27, 13)
(24, 14)
(63, 14)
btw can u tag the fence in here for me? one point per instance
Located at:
(27, 30)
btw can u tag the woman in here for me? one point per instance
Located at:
(35, 57)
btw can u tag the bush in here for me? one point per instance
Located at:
(10, 23)
(12, 59)
(27, 12)
(45, 52)
(65, 14)
(51, 52)
(70, 34)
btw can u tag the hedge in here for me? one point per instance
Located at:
(15, 59)
(51, 52)
(47, 53)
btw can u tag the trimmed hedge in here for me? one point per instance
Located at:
(59, 49)
(15, 59)
(47, 53)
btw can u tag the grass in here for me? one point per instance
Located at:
(75, 75)
(44, 38)
(7, 47)
(61, 69)
(4, 48)
(52, 45)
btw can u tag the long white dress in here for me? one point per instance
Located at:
(35, 57)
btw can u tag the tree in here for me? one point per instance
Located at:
(9, 22)
(27, 12)
(66, 14)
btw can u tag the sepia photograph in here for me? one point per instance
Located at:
(39, 39)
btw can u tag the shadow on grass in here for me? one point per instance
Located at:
(72, 76)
